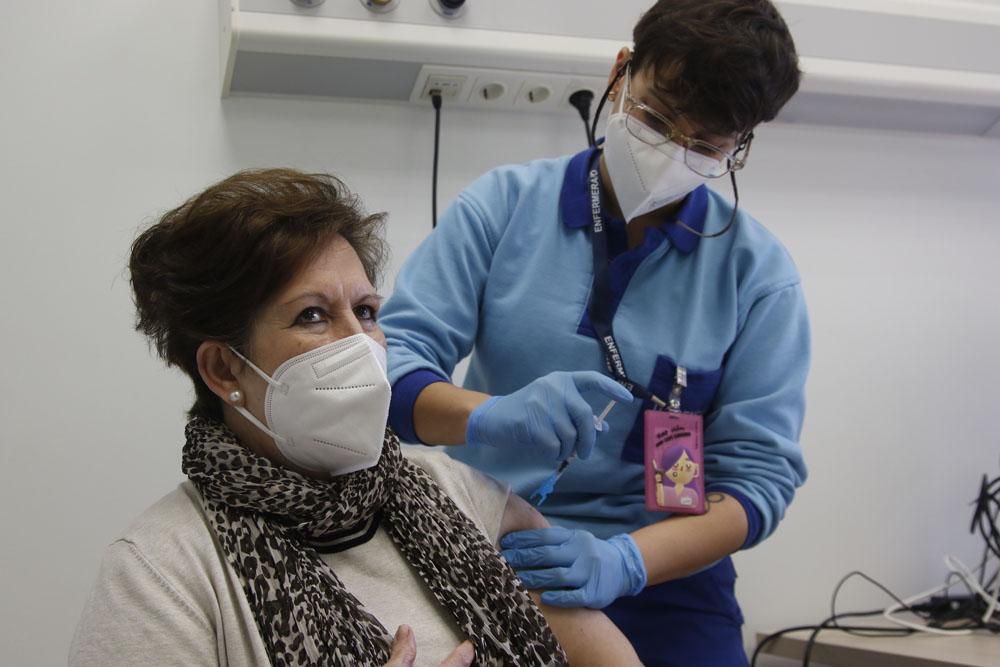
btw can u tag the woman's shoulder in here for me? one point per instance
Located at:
(173, 543)
(163, 590)
(160, 567)
(481, 497)
(177, 516)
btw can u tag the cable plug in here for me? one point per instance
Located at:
(581, 101)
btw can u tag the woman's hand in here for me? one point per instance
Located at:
(404, 651)
(549, 415)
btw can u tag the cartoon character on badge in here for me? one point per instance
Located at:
(677, 465)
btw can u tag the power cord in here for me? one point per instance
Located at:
(941, 612)
(987, 511)
(436, 101)
(581, 100)
(832, 623)
(592, 134)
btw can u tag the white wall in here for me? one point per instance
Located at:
(109, 116)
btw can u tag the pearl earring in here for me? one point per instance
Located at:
(235, 396)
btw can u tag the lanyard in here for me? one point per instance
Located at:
(600, 302)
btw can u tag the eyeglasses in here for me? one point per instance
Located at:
(651, 127)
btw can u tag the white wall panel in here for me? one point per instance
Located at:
(888, 64)
(111, 118)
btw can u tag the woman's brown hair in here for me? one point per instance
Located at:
(206, 268)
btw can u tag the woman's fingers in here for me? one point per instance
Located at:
(404, 648)
(404, 651)
(462, 656)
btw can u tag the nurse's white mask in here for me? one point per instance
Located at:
(326, 409)
(647, 172)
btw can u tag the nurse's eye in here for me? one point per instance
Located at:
(666, 129)
(311, 315)
(656, 123)
(365, 312)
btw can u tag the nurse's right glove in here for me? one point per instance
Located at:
(550, 415)
(576, 568)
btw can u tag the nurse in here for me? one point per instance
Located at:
(617, 275)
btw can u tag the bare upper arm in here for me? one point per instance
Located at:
(587, 635)
(520, 515)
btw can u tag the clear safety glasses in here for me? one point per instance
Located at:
(651, 127)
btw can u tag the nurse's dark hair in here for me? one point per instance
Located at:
(205, 270)
(729, 65)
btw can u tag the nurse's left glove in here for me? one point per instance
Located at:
(586, 571)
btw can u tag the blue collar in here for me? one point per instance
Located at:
(574, 205)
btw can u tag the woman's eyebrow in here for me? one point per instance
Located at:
(307, 295)
(368, 295)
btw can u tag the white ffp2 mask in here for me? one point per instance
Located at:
(646, 177)
(327, 408)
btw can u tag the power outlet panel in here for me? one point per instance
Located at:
(503, 90)
(449, 86)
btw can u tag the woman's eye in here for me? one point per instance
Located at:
(310, 315)
(365, 312)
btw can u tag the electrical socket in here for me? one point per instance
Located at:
(494, 89)
(453, 82)
(504, 89)
(448, 85)
(540, 92)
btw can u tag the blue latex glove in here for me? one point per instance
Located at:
(590, 572)
(549, 415)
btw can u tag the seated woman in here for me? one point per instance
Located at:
(303, 532)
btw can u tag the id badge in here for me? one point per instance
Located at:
(674, 458)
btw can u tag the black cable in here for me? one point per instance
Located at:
(939, 611)
(985, 516)
(775, 635)
(771, 637)
(581, 100)
(436, 101)
(832, 621)
(604, 98)
(873, 582)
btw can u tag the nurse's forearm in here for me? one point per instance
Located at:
(682, 545)
(441, 413)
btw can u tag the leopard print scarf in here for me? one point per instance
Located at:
(264, 515)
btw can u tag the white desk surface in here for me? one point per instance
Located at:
(837, 648)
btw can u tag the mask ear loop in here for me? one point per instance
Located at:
(604, 98)
(249, 415)
(283, 388)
